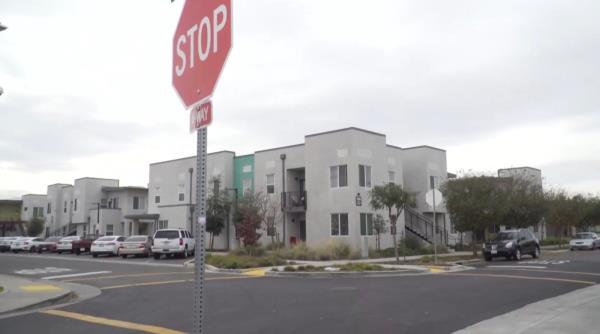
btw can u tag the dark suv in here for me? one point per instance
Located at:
(512, 244)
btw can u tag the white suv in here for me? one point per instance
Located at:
(173, 241)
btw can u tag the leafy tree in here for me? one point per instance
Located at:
(380, 228)
(248, 218)
(34, 227)
(392, 198)
(217, 209)
(475, 203)
(592, 213)
(525, 203)
(565, 211)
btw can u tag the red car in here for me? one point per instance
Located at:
(48, 245)
(84, 244)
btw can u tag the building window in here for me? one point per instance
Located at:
(38, 212)
(270, 183)
(339, 224)
(364, 176)
(181, 197)
(65, 207)
(109, 229)
(246, 186)
(25, 209)
(75, 205)
(49, 209)
(366, 224)
(136, 202)
(338, 176)
(391, 176)
(162, 224)
(157, 199)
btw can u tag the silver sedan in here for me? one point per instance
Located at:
(137, 245)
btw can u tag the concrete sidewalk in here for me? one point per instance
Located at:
(574, 312)
(21, 294)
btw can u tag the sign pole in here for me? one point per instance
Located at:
(199, 250)
(434, 222)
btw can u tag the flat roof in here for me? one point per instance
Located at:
(524, 167)
(424, 146)
(345, 129)
(190, 157)
(34, 195)
(279, 148)
(393, 146)
(10, 201)
(96, 178)
(123, 188)
(244, 155)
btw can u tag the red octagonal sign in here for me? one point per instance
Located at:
(200, 47)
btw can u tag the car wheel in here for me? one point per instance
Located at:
(94, 255)
(487, 258)
(124, 256)
(77, 251)
(517, 255)
(39, 251)
(536, 253)
(59, 252)
(156, 256)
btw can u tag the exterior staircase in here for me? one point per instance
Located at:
(418, 225)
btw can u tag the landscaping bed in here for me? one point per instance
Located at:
(348, 267)
(243, 261)
(446, 260)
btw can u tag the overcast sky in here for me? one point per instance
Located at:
(87, 84)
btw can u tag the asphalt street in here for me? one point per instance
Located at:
(143, 292)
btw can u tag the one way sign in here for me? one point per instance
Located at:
(200, 116)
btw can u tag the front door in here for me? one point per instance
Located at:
(143, 229)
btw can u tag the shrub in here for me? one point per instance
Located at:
(249, 250)
(550, 241)
(289, 268)
(243, 262)
(361, 267)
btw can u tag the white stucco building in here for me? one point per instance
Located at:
(319, 189)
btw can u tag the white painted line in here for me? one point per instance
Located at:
(526, 267)
(78, 275)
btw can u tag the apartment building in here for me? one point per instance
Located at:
(96, 206)
(318, 190)
(33, 206)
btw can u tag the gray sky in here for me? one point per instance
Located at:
(87, 85)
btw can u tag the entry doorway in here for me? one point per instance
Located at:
(303, 230)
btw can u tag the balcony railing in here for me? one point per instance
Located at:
(295, 201)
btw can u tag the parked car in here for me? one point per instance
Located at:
(48, 245)
(5, 243)
(512, 244)
(585, 240)
(172, 242)
(136, 245)
(66, 244)
(24, 244)
(84, 244)
(109, 245)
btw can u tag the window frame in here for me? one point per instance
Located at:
(338, 176)
(336, 219)
(366, 221)
(136, 203)
(365, 176)
(271, 186)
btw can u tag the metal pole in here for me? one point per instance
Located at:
(283, 197)
(191, 170)
(434, 229)
(200, 229)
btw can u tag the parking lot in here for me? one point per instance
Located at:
(146, 292)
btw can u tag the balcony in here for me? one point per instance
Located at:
(295, 201)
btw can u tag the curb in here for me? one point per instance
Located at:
(63, 298)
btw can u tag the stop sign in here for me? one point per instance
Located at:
(201, 44)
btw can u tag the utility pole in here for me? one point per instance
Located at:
(283, 197)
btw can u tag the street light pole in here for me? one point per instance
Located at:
(191, 171)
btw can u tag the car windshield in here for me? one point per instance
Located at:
(166, 234)
(107, 239)
(506, 235)
(584, 236)
(135, 239)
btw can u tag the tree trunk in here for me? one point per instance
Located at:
(212, 240)
(396, 249)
